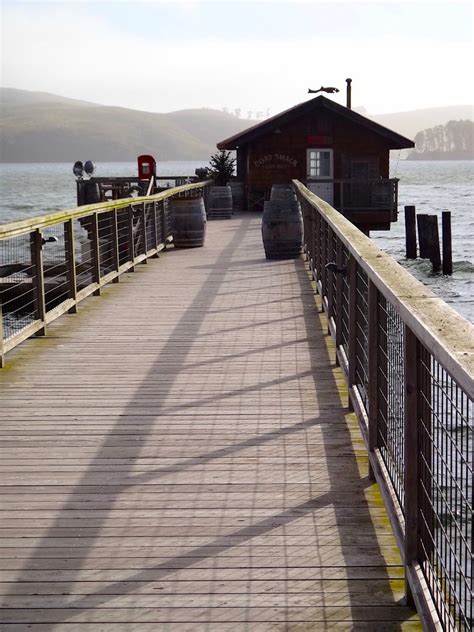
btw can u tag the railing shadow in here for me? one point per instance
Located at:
(328, 418)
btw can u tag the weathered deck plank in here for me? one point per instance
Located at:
(177, 456)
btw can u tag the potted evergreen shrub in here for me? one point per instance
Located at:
(221, 167)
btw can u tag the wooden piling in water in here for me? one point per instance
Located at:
(428, 236)
(422, 224)
(410, 232)
(447, 248)
(433, 238)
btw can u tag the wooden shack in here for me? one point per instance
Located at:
(339, 154)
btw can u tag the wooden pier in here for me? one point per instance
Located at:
(179, 455)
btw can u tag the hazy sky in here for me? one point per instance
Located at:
(256, 55)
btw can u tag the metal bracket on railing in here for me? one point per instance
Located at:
(333, 267)
(49, 240)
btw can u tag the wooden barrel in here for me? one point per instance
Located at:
(188, 218)
(220, 203)
(282, 229)
(283, 192)
(238, 196)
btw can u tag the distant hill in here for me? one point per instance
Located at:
(13, 96)
(40, 127)
(44, 127)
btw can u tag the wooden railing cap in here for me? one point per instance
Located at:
(443, 331)
(31, 224)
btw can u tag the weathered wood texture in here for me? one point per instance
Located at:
(177, 456)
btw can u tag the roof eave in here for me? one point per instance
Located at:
(396, 141)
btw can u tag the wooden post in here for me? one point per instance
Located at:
(143, 222)
(329, 277)
(352, 347)
(422, 221)
(70, 263)
(317, 249)
(433, 236)
(339, 289)
(95, 252)
(131, 244)
(323, 273)
(447, 249)
(115, 243)
(373, 370)
(36, 243)
(155, 230)
(410, 232)
(2, 352)
(411, 453)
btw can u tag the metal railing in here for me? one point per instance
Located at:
(49, 264)
(108, 188)
(409, 363)
(363, 195)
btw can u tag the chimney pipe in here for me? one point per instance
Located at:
(349, 96)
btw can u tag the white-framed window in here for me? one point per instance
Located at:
(319, 164)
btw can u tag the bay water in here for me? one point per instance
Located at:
(29, 190)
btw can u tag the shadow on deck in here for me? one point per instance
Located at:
(177, 457)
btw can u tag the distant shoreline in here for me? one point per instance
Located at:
(437, 156)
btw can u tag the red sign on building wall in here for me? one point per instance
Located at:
(319, 141)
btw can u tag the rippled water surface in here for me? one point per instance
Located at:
(433, 187)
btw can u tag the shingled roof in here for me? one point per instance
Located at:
(396, 141)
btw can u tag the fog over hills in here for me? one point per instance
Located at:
(43, 127)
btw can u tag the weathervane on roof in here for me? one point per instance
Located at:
(332, 90)
(323, 89)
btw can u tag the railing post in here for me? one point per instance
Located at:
(352, 328)
(95, 252)
(71, 263)
(324, 260)
(144, 235)
(312, 227)
(411, 454)
(329, 275)
(373, 370)
(131, 244)
(115, 243)
(155, 230)
(2, 352)
(317, 248)
(36, 244)
(339, 289)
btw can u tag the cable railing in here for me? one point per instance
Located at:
(409, 362)
(49, 264)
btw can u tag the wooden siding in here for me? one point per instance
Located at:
(177, 456)
(292, 140)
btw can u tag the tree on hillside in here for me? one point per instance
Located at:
(456, 137)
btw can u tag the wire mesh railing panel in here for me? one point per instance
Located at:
(84, 252)
(361, 335)
(420, 422)
(49, 264)
(55, 268)
(391, 394)
(167, 220)
(345, 303)
(446, 493)
(150, 222)
(107, 242)
(333, 275)
(325, 253)
(124, 234)
(17, 285)
(139, 241)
